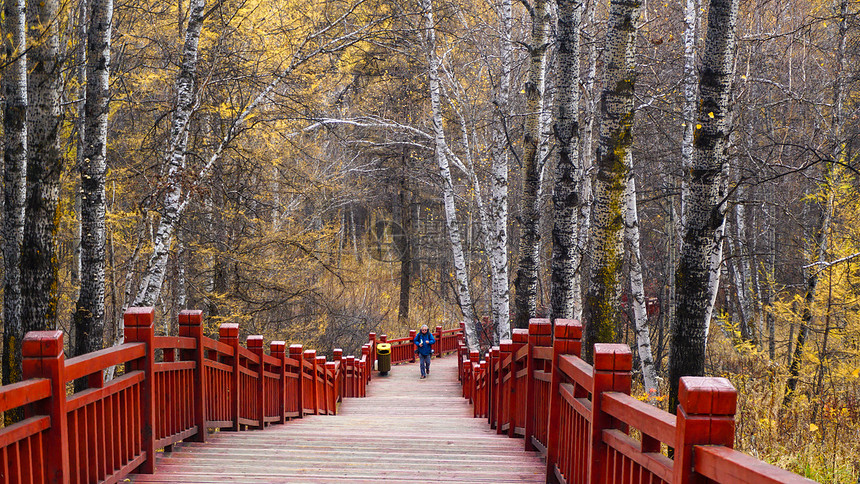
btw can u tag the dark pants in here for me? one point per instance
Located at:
(425, 363)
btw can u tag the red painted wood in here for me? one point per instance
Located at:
(567, 341)
(43, 358)
(139, 329)
(723, 464)
(228, 333)
(191, 326)
(705, 415)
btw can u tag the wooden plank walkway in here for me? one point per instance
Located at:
(406, 430)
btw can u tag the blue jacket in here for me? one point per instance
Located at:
(428, 340)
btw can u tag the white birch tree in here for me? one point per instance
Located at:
(14, 85)
(525, 300)
(613, 161)
(695, 279)
(566, 193)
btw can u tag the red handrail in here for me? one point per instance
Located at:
(580, 416)
(113, 428)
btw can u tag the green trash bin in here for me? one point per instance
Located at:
(383, 358)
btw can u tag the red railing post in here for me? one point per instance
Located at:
(492, 377)
(337, 357)
(311, 357)
(276, 349)
(520, 339)
(255, 344)
(366, 369)
(321, 367)
(706, 416)
(371, 360)
(612, 365)
(350, 377)
(43, 357)
(540, 334)
(504, 390)
(411, 339)
(438, 337)
(474, 361)
(228, 334)
(567, 341)
(191, 326)
(331, 400)
(139, 329)
(296, 352)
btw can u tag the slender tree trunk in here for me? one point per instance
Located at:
(405, 256)
(696, 280)
(637, 291)
(822, 237)
(39, 261)
(526, 281)
(150, 284)
(460, 270)
(566, 196)
(90, 313)
(605, 245)
(14, 85)
(500, 295)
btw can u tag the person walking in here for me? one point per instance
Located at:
(424, 342)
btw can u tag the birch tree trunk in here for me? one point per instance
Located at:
(14, 85)
(500, 294)
(696, 279)
(150, 284)
(90, 310)
(460, 273)
(39, 261)
(527, 268)
(691, 29)
(566, 196)
(637, 291)
(606, 232)
(811, 272)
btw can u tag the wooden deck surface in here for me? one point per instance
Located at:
(406, 430)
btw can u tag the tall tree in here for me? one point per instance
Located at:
(14, 84)
(821, 234)
(605, 243)
(696, 280)
(90, 310)
(39, 259)
(566, 195)
(500, 295)
(525, 300)
(150, 284)
(441, 154)
(637, 292)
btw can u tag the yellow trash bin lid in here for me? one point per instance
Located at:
(383, 348)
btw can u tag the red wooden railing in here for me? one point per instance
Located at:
(113, 428)
(584, 421)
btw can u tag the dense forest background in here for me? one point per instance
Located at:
(290, 180)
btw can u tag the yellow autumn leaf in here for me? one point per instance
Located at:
(813, 427)
(856, 373)
(698, 126)
(711, 115)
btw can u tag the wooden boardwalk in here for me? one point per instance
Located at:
(406, 430)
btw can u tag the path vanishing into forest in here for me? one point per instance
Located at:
(406, 430)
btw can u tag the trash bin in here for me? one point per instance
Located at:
(383, 358)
